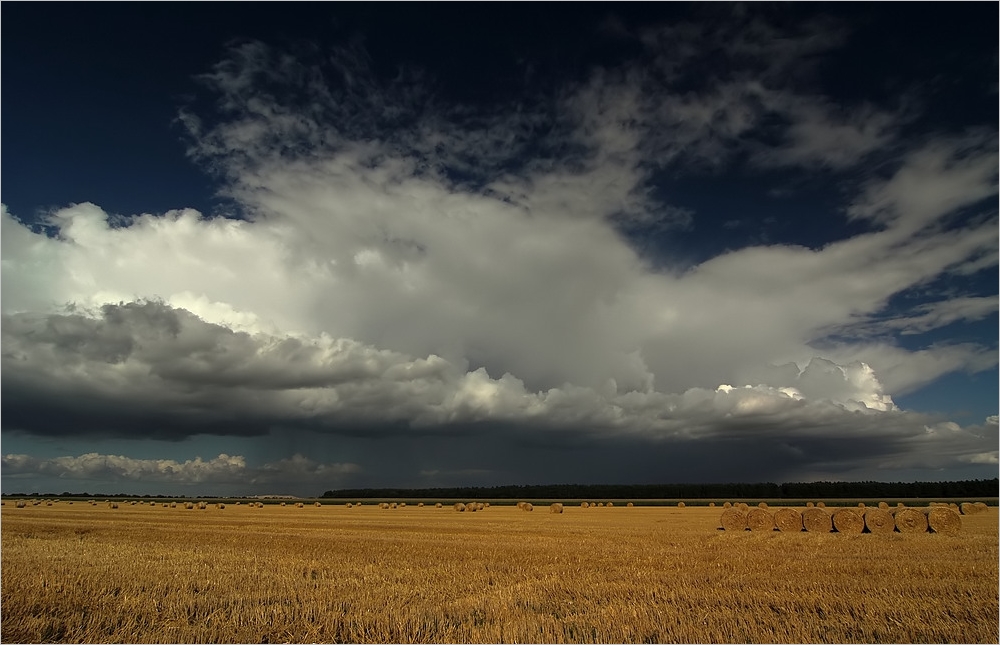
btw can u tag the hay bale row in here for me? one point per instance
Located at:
(971, 508)
(848, 520)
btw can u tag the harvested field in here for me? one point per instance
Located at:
(647, 574)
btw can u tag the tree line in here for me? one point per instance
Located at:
(798, 490)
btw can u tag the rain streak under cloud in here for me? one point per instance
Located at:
(415, 290)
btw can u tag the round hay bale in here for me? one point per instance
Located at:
(727, 505)
(734, 519)
(173, 504)
(848, 520)
(680, 504)
(861, 505)
(760, 519)
(967, 508)
(420, 505)
(393, 505)
(460, 507)
(981, 506)
(711, 504)
(953, 506)
(317, 504)
(910, 520)
(282, 503)
(601, 504)
(528, 506)
(744, 506)
(788, 520)
(762, 505)
(610, 504)
(20, 503)
(900, 505)
(629, 505)
(584, 504)
(220, 506)
(299, 505)
(471, 507)
(438, 505)
(556, 508)
(349, 505)
(883, 506)
(821, 504)
(944, 520)
(809, 504)
(879, 520)
(402, 505)
(486, 505)
(817, 520)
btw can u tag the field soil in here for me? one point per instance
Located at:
(155, 574)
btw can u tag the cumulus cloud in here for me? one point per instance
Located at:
(406, 266)
(219, 470)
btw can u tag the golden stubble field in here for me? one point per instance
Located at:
(137, 574)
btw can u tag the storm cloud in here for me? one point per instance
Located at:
(405, 266)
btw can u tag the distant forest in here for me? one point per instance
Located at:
(971, 488)
(814, 490)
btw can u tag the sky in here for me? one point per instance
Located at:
(248, 251)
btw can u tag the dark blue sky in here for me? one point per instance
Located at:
(617, 211)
